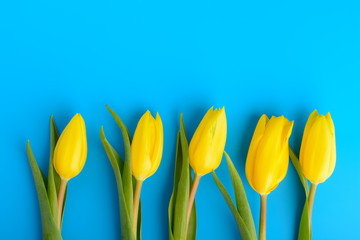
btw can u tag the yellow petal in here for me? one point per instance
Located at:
(147, 146)
(141, 147)
(332, 162)
(258, 133)
(158, 146)
(71, 149)
(207, 146)
(316, 151)
(195, 139)
(333, 145)
(312, 118)
(330, 123)
(268, 156)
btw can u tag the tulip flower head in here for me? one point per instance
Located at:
(268, 157)
(147, 146)
(207, 145)
(318, 150)
(71, 149)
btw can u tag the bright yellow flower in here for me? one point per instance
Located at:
(208, 143)
(318, 150)
(147, 146)
(268, 157)
(71, 149)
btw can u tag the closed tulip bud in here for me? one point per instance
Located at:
(318, 150)
(208, 143)
(71, 149)
(146, 153)
(147, 146)
(268, 157)
(206, 148)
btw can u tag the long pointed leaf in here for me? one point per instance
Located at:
(304, 227)
(110, 150)
(296, 163)
(126, 223)
(51, 187)
(182, 197)
(49, 228)
(43, 177)
(191, 235)
(177, 173)
(54, 136)
(126, 173)
(242, 203)
(244, 232)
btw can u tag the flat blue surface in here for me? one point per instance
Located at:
(274, 57)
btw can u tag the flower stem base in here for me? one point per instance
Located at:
(136, 205)
(193, 190)
(60, 200)
(262, 226)
(311, 201)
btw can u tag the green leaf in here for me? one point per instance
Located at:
(178, 161)
(49, 227)
(180, 198)
(43, 177)
(244, 232)
(126, 223)
(51, 186)
(304, 227)
(242, 203)
(126, 173)
(54, 136)
(296, 163)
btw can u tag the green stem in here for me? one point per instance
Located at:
(136, 205)
(311, 201)
(60, 200)
(193, 190)
(262, 227)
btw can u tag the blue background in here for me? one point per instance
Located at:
(274, 57)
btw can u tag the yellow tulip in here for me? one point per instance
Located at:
(147, 146)
(206, 148)
(71, 149)
(69, 156)
(318, 150)
(146, 153)
(207, 145)
(268, 157)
